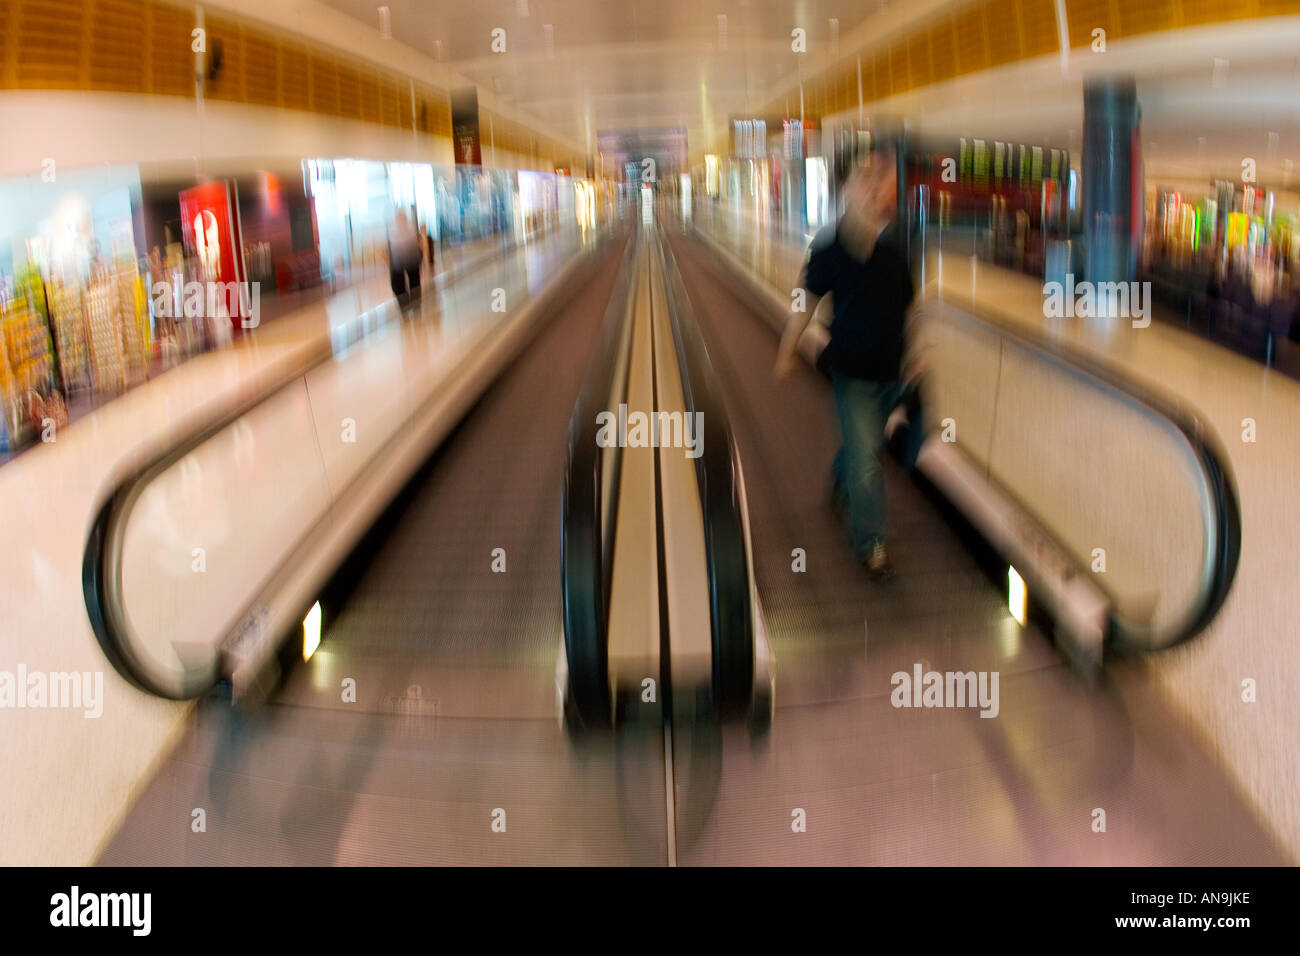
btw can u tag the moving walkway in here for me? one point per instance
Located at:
(1112, 505)
(458, 678)
(657, 582)
(658, 574)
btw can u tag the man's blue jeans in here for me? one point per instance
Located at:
(858, 473)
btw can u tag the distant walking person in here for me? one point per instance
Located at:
(426, 243)
(861, 263)
(404, 257)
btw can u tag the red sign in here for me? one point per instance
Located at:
(210, 231)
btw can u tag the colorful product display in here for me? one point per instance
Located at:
(69, 343)
(117, 329)
(26, 370)
(69, 325)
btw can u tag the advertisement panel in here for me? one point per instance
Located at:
(210, 232)
(464, 127)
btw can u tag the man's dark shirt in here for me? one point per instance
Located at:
(870, 303)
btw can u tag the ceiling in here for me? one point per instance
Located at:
(581, 67)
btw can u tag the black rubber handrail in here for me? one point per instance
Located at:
(587, 520)
(718, 476)
(101, 572)
(1222, 510)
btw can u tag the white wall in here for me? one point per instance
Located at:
(78, 129)
(176, 135)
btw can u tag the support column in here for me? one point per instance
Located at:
(1112, 179)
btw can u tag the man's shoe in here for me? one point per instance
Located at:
(877, 564)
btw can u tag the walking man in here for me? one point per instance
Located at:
(860, 261)
(404, 258)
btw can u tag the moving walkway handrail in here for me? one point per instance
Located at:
(587, 522)
(102, 558)
(1220, 508)
(717, 474)
(101, 568)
